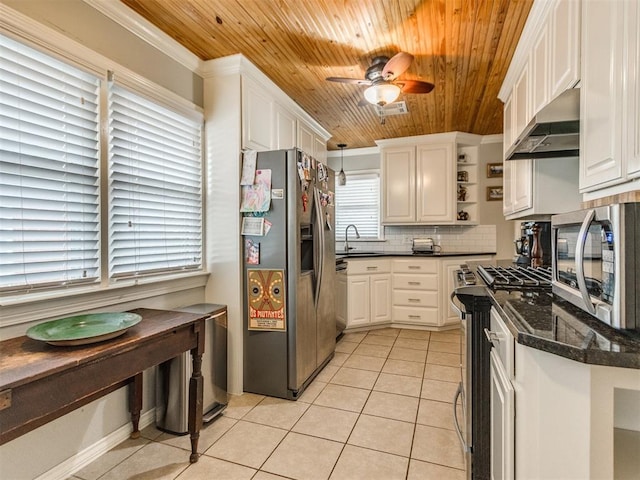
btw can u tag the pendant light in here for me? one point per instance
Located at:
(342, 177)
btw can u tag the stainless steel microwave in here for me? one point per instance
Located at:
(596, 262)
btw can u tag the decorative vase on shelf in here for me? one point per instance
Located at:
(462, 193)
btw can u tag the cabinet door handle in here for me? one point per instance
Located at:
(414, 283)
(372, 268)
(493, 337)
(414, 267)
(414, 300)
(415, 316)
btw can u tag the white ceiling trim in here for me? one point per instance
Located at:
(141, 27)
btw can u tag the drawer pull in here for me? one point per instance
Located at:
(414, 267)
(493, 337)
(372, 268)
(417, 300)
(414, 283)
(415, 316)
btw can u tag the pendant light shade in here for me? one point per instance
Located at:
(342, 177)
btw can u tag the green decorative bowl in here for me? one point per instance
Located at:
(84, 329)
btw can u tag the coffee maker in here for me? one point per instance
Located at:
(533, 248)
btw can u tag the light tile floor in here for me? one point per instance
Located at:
(381, 409)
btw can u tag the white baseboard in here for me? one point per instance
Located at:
(81, 459)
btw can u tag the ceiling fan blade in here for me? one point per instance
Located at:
(415, 86)
(398, 64)
(348, 80)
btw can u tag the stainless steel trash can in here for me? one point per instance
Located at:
(172, 379)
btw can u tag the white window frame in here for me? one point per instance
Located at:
(351, 176)
(19, 309)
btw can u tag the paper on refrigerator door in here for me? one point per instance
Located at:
(257, 197)
(249, 158)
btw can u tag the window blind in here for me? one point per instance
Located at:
(155, 187)
(358, 202)
(49, 186)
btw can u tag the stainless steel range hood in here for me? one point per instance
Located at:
(553, 133)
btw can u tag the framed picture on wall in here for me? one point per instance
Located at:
(494, 170)
(494, 193)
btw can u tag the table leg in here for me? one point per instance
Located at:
(195, 404)
(135, 403)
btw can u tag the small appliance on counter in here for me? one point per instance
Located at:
(424, 246)
(533, 248)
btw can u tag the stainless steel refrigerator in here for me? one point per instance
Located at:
(289, 275)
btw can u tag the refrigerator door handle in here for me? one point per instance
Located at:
(320, 238)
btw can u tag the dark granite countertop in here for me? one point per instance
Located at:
(546, 322)
(363, 254)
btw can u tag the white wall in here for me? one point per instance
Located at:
(491, 212)
(79, 21)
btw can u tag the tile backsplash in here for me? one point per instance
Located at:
(452, 239)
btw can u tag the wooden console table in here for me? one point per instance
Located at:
(40, 382)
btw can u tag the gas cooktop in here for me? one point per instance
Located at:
(516, 278)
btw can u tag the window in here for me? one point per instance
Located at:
(49, 183)
(155, 192)
(358, 202)
(57, 156)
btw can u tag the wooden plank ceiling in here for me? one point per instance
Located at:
(462, 46)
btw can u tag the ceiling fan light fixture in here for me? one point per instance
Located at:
(382, 93)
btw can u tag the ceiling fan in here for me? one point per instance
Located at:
(381, 77)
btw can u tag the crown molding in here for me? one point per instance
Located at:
(495, 138)
(145, 30)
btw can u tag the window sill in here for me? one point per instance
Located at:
(54, 304)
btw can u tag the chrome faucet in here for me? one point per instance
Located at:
(346, 237)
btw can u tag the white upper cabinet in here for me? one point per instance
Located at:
(609, 107)
(539, 64)
(632, 112)
(311, 142)
(601, 94)
(564, 52)
(522, 101)
(286, 128)
(418, 179)
(257, 116)
(398, 185)
(507, 137)
(546, 63)
(270, 121)
(435, 175)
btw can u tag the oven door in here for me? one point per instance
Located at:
(585, 247)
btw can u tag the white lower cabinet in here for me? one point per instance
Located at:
(399, 291)
(415, 291)
(368, 292)
(502, 401)
(341, 299)
(502, 422)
